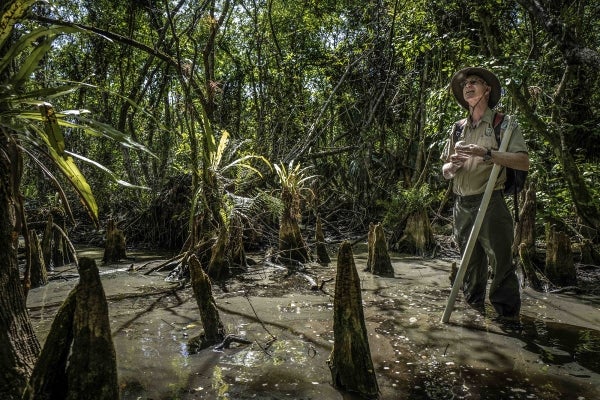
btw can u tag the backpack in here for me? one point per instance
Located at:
(515, 179)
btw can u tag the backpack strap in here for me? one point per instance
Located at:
(498, 118)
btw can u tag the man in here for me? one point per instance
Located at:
(469, 163)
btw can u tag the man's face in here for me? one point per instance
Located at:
(474, 88)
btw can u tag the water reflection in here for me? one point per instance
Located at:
(559, 344)
(407, 342)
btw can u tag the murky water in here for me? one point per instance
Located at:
(553, 354)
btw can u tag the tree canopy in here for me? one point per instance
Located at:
(358, 91)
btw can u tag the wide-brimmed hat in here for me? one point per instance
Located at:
(488, 76)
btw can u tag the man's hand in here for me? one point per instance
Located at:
(469, 150)
(455, 163)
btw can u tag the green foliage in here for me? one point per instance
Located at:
(293, 178)
(359, 90)
(405, 202)
(293, 181)
(41, 132)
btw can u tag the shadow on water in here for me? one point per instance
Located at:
(575, 350)
(559, 344)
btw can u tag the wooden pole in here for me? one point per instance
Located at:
(487, 194)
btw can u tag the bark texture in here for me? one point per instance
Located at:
(292, 246)
(39, 275)
(560, 267)
(19, 346)
(78, 360)
(322, 254)
(114, 249)
(525, 228)
(220, 260)
(416, 237)
(370, 246)
(350, 360)
(214, 332)
(92, 369)
(49, 378)
(529, 270)
(381, 264)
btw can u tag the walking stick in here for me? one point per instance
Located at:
(477, 224)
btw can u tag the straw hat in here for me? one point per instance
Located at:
(489, 77)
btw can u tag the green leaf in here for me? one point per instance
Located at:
(105, 169)
(11, 15)
(40, 40)
(54, 139)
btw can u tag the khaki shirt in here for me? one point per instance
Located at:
(472, 178)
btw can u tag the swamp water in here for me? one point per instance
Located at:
(553, 354)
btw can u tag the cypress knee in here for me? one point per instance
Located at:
(114, 249)
(381, 264)
(560, 267)
(49, 377)
(39, 275)
(350, 360)
(370, 246)
(92, 370)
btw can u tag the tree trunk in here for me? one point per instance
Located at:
(529, 270)
(19, 346)
(417, 235)
(370, 246)
(380, 263)
(236, 243)
(350, 360)
(114, 249)
(525, 228)
(322, 254)
(214, 332)
(560, 268)
(292, 246)
(47, 243)
(39, 275)
(60, 253)
(220, 262)
(589, 254)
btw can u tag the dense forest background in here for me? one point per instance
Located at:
(183, 122)
(356, 93)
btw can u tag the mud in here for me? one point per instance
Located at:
(554, 353)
